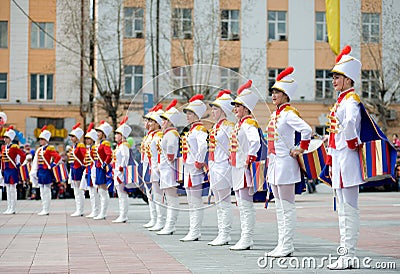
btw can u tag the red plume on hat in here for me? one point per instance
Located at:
(346, 50)
(172, 104)
(76, 126)
(10, 128)
(102, 122)
(244, 86)
(123, 121)
(196, 97)
(222, 92)
(157, 107)
(43, 128)
(91, 125)
(284, 73)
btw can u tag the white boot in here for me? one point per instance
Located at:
(195, 218)
(13, 200)
(248, 222)
(172, 216)
(104, 199)
(289, 224)
(161, 212)
(224, 224)
(94, 202)
(280, 223)
(8, 192)
(153, 214)
(123, 210)
(349, 224)
(45, 193)
(79, 200)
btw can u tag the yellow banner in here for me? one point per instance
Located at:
(333, 24)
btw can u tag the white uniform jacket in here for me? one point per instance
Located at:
(169, 145)
(345, 127)
(154, 159)
(284, 122)
(194, 149)
(121, 154)
(245, 141)
(220, 173)
(146, 152)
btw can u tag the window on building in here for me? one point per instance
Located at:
(230, 25)
(321, 34)
(230, 79)
(182, 24)
(370, 27)
(3, 34)
(272, 74)
(370, 83)
(181, 78)
(133, 22)
(277, 26)
(42, 35)
(41, 86)
(323, 84)
(133, 79)
(3, 85)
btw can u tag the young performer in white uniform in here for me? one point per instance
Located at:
(194, 150)
(244, 145)
(168, 150)
(89, 175)
(121, 154)
(283, 166)
(343, 158)
(220, 170)
(76, 157)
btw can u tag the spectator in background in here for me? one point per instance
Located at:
(396, 141)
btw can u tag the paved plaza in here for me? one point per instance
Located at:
(59, 243)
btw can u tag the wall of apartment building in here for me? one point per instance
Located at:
(19, 60)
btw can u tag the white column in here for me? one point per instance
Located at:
(253, 40)
(19, 45)
(301, 34)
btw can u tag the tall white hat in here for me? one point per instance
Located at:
(10, 133)
(156, 114)
(246, 97)
(285, 83)
(347, 65)
(105, 128)
(196, 105)
(45, 134)
(76, 131)
(224, 101)
(171, 113)
(123, 128)
(91, 133)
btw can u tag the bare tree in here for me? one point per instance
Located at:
(103, 56)
(384, 79)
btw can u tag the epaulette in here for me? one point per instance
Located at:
(252, 122)
(159, 134)
(106, 143)
(201, 128)
(290, 108)
(175, 132)
(14, 146)
(80, 145)
(51, 148)
(126, 144)
(228, 123)
(355, 96)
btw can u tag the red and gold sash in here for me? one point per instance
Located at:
(213, 140)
